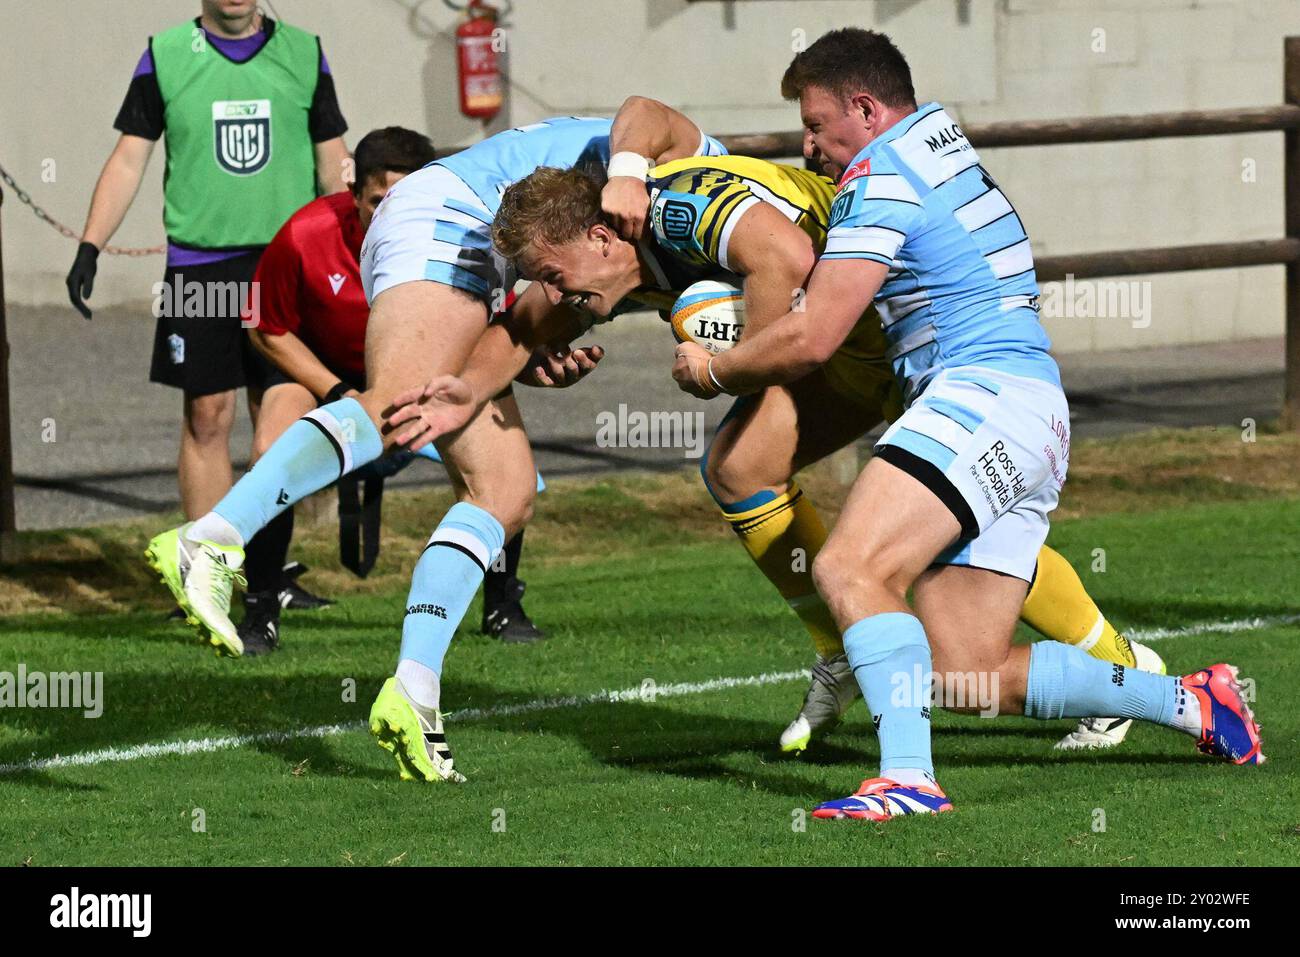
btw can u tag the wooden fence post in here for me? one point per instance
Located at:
(8, 526)
(1291, 160)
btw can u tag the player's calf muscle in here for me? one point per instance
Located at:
(282, 406)
(970, 616)
(491, 465)
(506, 493)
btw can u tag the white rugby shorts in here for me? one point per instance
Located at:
(994, 447)
(432, 226)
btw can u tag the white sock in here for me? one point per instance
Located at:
(420, 684)
(913, 777)
(1187, 712)
(213, 528)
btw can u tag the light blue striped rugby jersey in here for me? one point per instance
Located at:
(490, 166)
(961, 289)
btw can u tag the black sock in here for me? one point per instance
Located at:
(502, 571)
(265, 555)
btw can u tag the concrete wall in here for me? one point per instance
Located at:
(721, 61)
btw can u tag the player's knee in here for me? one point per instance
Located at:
(829, 573)
(521, 517)
(375, 405)
(209, 418)
(730, 479)
(726, 481)
(513, 509)
(261, 442)
(841, 570)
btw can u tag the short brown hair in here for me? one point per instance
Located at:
(849, 61)
(391, 149)
(549, 205)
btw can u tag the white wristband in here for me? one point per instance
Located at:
(628, 164)
(714, 379)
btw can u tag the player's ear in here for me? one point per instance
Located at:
(869, 108)
(864, 105)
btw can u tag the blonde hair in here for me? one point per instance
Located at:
(549, 205)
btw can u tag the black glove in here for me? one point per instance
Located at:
(81, 277)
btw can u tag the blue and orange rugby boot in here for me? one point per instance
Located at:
(879, 799)
(1228, 727)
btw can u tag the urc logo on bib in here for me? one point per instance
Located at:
(241, 131)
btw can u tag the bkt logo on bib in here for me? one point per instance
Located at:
(241, 130)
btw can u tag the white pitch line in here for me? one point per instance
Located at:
(1212, 628)
(647, 691)
(193, 746)
(643, 692)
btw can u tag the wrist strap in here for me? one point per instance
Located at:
(337, 391)
(628, 164)
(712, 378)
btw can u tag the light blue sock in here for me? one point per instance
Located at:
(323, 445)
(1065, 682)
(446, 577)
(891, 660)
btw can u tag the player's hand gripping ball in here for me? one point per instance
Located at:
(709, 313)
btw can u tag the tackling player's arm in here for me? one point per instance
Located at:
(866, 231)
(529, 344)
(532, 338)
(775, 257)
(645, 133)
(839, 292)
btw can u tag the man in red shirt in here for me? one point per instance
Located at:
(309, 319)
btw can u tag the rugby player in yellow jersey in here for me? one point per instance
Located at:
(766, 224)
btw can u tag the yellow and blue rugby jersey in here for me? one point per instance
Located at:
(961, 288)
(489, 166)
(695, 204)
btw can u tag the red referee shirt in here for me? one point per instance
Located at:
(310, 280)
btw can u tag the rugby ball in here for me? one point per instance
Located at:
(710, 313)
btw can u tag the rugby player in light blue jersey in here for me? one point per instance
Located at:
(954, 503)
(432, 280)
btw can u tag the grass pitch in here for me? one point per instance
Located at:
(198, 760)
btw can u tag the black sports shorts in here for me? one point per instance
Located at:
(199, 345)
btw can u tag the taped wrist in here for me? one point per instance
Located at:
(628, 164)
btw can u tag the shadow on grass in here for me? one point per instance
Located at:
(157, 708)
(654, 738)
(160, 704)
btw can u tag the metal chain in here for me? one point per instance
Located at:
(41, 214)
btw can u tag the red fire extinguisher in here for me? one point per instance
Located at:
(476, 61)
